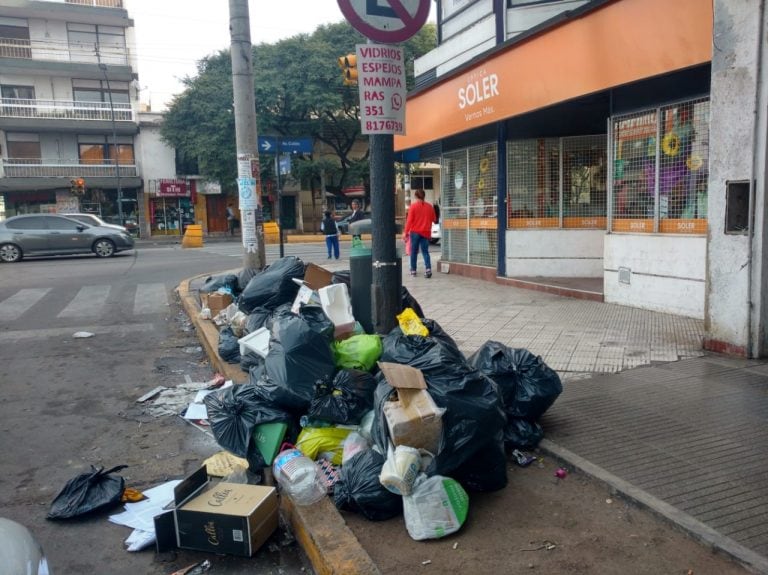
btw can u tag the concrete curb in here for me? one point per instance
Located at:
(321, 531)
(693, 527)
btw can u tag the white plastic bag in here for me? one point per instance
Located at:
(353, 444)
(437, 507)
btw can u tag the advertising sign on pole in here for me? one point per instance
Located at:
(381, 83)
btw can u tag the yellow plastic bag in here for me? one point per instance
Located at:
(314, 441)
(411, 324)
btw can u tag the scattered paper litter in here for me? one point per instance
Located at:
(140, 515)
(82, 334)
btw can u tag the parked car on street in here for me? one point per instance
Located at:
(343, 224)
(50, 234)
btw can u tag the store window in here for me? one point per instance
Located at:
(660, 170)
(468, 205)
(557, 183)
(92, 43)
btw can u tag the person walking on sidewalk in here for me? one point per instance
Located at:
(328, 227)
(356, 216)
(231, 220)
(418, 230)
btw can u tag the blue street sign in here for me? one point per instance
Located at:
(273, 145)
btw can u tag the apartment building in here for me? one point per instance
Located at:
(69, 106)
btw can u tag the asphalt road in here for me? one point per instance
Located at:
(69, 403)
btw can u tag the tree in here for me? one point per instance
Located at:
(299, 93)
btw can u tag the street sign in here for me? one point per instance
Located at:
(273, 145)
(381, 84)
(386, 21)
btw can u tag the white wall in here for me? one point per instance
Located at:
(555, 253)
(736, 81)
(667, 273)
(156, 158)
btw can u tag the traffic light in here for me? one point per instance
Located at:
(348, 65)
(77, 186)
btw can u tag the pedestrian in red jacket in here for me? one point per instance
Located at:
(418, 230)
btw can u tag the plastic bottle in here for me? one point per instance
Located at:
(298, 475)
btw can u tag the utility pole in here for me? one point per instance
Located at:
(248, 177)
(387, 270)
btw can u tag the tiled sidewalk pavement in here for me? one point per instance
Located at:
(573, 336)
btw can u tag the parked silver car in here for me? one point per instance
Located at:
(49, 234)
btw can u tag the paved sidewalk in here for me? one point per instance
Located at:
(684, 433)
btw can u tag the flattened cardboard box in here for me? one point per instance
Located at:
(413, 419)
(217, 302)
(224, 518)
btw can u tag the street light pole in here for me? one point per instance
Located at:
(103, 68)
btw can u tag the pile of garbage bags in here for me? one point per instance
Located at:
(399, 424)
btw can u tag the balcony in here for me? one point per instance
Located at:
(59, 168)
(61, 51)
(98, 3)
(64, 110)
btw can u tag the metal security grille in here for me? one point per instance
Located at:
(533, 190)
(660, 169)
(683, 175)
(584, 180)
(468, 205)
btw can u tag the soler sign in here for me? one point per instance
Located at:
(381, 83)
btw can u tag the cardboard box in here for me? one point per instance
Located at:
(223, 518)
(412, 417)
(315, 278)
(216, 302)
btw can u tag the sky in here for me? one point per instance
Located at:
(172, 35)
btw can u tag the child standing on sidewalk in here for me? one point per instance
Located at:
(418, 230)
(328, 227)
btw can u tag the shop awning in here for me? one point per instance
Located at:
(617, 43)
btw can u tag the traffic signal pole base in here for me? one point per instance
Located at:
(387, 280)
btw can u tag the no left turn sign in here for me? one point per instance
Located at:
(386, 21)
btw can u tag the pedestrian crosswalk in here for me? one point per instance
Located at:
(85, 302)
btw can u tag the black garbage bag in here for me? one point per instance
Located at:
(346, 399)
(474, 413)
(249, 360)
(88, 492)
(409, 301)
(522, 434)
(273, 286)
(245, 275)
(280, 312)
(213, 283)
(234, 411)
(528, 385)
(486, 470)
(229, 349)
(360, 490)
(256, 319)
(298, 356)
(317, 320)
(342, 277)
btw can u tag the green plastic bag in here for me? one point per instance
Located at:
(313, 441)
(357, 352)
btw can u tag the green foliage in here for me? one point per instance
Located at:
(299, 93)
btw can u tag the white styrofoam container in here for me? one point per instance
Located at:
(257, 341)
(337, 305)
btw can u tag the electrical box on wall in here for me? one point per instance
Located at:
(737, 207)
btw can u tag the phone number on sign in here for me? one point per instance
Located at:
(383, 125)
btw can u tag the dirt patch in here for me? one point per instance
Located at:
(540, 523)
